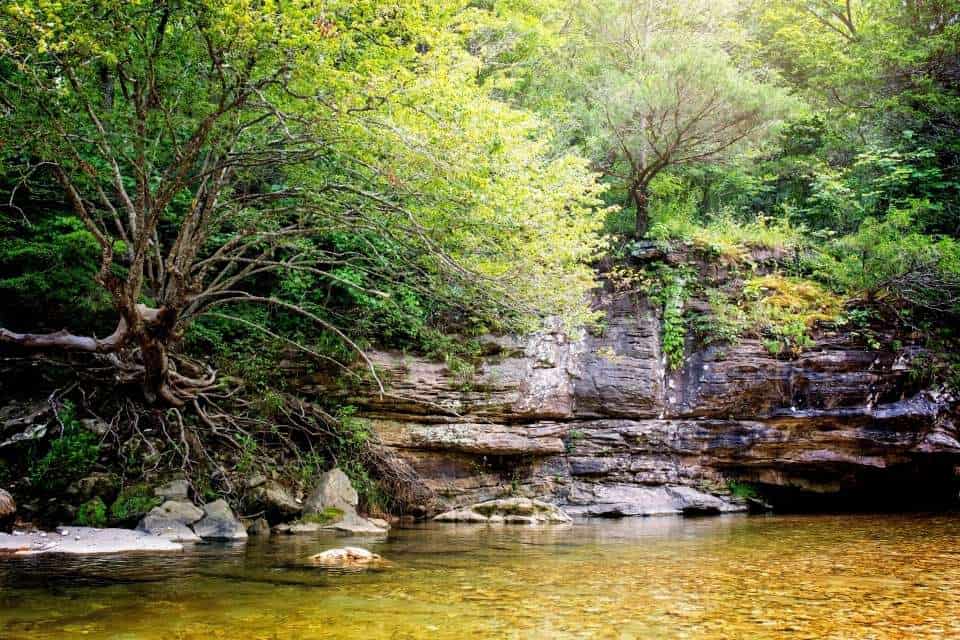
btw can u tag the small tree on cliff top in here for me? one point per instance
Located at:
(206, 145)
(662, 90)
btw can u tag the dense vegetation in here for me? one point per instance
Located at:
(222, 188)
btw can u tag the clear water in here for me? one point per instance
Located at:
(727, 577)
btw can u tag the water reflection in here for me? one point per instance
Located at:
(732, 576)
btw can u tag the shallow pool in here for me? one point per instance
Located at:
(722, 577)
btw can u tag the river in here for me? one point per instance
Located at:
(863, 576)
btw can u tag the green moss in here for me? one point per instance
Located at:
(328, 516)
(70, 456)
(133, 502)
(784, 310)
(742, 490)
(92, 513)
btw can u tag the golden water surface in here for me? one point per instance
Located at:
(724, 577)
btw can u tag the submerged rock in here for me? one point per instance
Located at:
(508, 511)
(84, 540)
(346, 556)
(220, 523)
(259, 527)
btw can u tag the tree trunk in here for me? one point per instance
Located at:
(640, 195)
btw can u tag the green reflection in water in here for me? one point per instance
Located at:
(728, 577)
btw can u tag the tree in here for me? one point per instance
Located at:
(660, 87)
(206, 146)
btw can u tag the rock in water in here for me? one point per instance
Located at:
(345, 556)
(168, 529)
(259, 527)
(334, 491)
(508, 511)
(85, 540)
(172, 521)
(220, 523)
(8, 510)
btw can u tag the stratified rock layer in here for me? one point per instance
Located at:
(599, 427)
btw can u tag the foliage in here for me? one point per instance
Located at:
(92, 513)
(784, 310)
(72, 455)
(133, 502)
(742, 490)
(327, 516)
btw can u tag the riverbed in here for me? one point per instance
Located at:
(860, 576)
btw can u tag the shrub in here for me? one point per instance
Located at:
(92, 513)
(133, 503)
(70, 456)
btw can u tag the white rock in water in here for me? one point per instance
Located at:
(346, 555)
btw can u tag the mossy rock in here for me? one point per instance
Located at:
(329, 515)
(133, 503)
(92, 513)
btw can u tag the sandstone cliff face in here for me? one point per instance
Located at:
(599, 426)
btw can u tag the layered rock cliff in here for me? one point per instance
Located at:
(598, 425)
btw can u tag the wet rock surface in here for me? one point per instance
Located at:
(598, 426)
(335, 494)
(83, 540)
(219, 523)
(507, 511)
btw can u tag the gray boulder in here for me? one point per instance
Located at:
(178, 510)
(177, 489)
(171, 520)
(508, 511)
(333, 490)
(172, 530)
(220, 523)
(276, 500)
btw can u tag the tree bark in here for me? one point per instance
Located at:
(640, 195)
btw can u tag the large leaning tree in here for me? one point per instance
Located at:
(664, 89)
(207, 144)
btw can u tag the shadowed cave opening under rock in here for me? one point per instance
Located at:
(934, 486)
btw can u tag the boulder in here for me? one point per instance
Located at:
(508, 511)
(180, 511)
(276, 500)
(172, 530)
(171, 520)
(84, 540)
(96, 485)
(177, 489)
(333, 490)
(8, 510)
(219, 523)
(346, 556)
